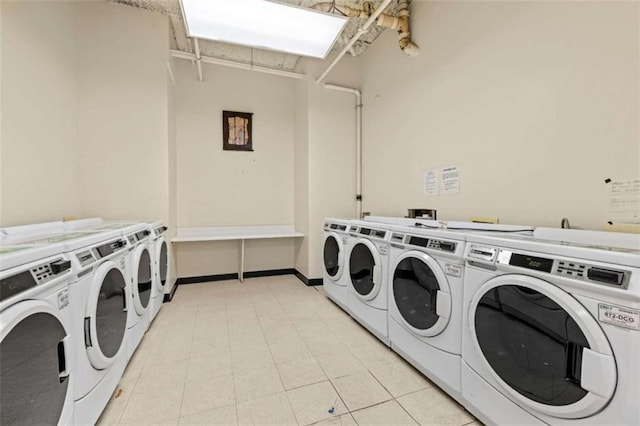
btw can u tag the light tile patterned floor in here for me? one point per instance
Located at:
(270, 351)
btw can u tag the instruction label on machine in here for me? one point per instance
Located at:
(621, 317)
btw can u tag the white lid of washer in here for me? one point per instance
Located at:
(74, 240)
(15, 255)
(16, 234)
(595, 252)
(580, 236)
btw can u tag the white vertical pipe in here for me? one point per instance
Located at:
(355, 38)
(198, 61)
(358, 96)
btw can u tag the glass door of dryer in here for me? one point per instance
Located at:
(421, 293)
(34, 359)
(542, 346)
(333, 252)
(163, 263)
(106, 315)
(142, 279)
(365, 269)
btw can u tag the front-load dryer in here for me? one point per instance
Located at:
(101, 302)
(334, 279)
(551, 332)
(367, 281)
(140, 272)
(159, 251)
(425, 302)
(36, 355)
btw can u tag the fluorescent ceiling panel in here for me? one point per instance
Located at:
(263, 24)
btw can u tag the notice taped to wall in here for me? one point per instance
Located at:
(431, 182)
(624, 200)
(450, 180)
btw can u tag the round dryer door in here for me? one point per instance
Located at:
(333, 255)
(105, 320)
(34, 382)
(163, 263)
(141, 278)
(542, 346)
(365, 269)
(421, 293)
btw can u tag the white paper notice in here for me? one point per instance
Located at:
(450, 180)
(431, 182)
(624, 200)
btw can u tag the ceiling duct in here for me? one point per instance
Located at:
(400, 23)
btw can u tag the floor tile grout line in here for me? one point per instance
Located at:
(276, 367)
(233, 377)
(340, 397)
(405, 410)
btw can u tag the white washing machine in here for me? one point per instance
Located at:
(36, 339)
(139, 266)
(425, 302)
(367, 277)
(551, 332)
(100, 305)
(334, 279)
(159, 251)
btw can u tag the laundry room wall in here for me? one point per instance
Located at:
(301, 176)
(325, 157)
(123, 143)
(233, 188)
(537, 103)
(38, 104)
(172, 165)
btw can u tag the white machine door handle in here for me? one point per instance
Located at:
(340, 261)
(443, 304)
(598, 373)
(377, 274)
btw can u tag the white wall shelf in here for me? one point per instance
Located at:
(242, 233)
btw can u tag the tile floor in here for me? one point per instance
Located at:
(270, 351)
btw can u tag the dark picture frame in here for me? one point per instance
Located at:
(237, 132)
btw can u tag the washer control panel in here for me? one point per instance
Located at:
(566, 268)
(431, 243)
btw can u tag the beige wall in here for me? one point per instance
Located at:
(301, 176)
(227, 188)
(327, 152)
(122, 121)
(172, 165)
(38, 103)
(536, 102)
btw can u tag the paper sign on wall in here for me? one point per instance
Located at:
(431, 182)
(450, 180)
(624, 200)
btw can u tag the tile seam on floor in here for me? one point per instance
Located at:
(184, 385)
(276, 366)
(340, 397)
(233, 377)
(308, 384)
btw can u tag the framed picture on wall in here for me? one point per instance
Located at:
(236, 131)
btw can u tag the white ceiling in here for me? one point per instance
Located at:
(249, 55)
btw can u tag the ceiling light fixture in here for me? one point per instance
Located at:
(263, 24)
